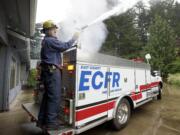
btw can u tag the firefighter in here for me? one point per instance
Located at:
(51, 75)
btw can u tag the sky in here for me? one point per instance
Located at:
(55, 10)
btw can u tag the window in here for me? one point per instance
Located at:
(13, 73)
(18, 74)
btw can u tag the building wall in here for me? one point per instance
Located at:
(2, 61)
(13, 91)
(7, 94)
(3, 56)
(3, 35)
(4, 77)
(24, 74)
(14, 63)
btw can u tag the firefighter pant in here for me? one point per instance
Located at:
(49, 108)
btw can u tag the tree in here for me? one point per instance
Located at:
(122, 39)
(176, 19)
(142, 21)
(161, 45)
(36, 44)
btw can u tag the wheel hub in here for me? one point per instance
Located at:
(122, 113)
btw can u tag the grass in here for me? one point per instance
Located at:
(174, 79)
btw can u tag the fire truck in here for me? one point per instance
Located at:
(98, 88)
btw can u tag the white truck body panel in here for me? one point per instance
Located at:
(97, 92)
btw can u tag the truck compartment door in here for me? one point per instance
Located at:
(140, 82)
(91, 93)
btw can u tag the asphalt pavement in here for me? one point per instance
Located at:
(154, 118)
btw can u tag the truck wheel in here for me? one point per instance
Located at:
(122, 115)
(159, 97)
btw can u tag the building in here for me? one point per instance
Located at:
(17, 26)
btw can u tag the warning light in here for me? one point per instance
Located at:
(66, 110)
(70, 67)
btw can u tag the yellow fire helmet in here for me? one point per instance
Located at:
(49, 24)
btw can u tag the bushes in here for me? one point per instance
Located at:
(175, 66)
(174, 79)
(31, 82)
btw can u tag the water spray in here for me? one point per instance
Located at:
(85, 14)
(114, 12)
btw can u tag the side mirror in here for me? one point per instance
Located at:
(156, 73)
(148, 57)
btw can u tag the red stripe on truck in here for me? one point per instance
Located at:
(143, 88)
(154, 84)
(136, 96)
(148, 86)
(89, 112)
(94, 110)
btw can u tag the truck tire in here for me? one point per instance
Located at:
(159, 96)
(122, 115)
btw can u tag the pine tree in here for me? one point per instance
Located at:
(123, 38)
(161, 45)
(142, 21)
